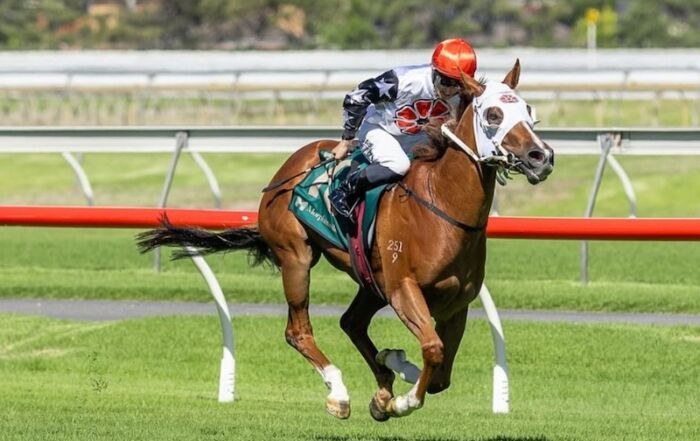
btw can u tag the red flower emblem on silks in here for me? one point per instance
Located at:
(411, 118)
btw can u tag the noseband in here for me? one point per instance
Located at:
(505, 162)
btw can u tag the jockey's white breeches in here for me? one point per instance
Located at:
(381, 147)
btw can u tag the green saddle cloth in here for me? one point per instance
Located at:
(311, 203)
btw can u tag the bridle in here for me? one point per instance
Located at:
(491, 152)
(506, 162)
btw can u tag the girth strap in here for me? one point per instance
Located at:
(440, 213)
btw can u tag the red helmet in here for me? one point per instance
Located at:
(454, 56)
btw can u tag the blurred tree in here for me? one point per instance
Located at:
(180, 20)
(644, 25)
(346, 24)
(606, 29)
(540, 19)
(578, 8)
(454, 19)
(421, 24)
(684, 28)
(31, 24)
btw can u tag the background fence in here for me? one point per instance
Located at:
(67, 141)
(131, 88)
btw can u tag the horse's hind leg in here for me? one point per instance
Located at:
(291, 245)
(299, 333)
(355, 323)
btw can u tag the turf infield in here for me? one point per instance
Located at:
(156, 379)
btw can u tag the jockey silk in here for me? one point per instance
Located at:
(400, 101)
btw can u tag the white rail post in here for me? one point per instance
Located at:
(606, 144)
(211, 177)
(181, 141)
(82, 177)
(626, 184)
(501, 389)
(227, 374)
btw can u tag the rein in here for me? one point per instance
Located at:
(281, 182)
(449, 219)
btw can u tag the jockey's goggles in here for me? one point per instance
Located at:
(445, 81)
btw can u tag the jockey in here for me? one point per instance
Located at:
(387, 114)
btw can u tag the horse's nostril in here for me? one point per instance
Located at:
(536, 156)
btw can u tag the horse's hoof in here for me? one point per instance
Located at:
(339, 409)
(377, 412)
(384, 353)
(381, 356)
(400, 407)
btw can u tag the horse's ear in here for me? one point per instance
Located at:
(471, 86)
(511, 80)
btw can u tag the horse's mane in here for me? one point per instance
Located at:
(437, 142)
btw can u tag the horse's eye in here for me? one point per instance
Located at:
(494, 116)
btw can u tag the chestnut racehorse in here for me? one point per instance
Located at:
(429, 252)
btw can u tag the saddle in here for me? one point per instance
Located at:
(310, 203)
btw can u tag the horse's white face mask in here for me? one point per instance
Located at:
(514, 110)
(498, 111)
(503, 129)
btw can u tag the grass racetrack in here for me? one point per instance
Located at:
(104, 264)
(156, 379)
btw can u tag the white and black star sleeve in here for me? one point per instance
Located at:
(374, 90)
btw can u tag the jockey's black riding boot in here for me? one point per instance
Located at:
(344, 198)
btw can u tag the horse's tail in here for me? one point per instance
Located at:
(199, 242)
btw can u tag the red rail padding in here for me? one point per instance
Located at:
(594, 228)
(499, 227)
(122, 217)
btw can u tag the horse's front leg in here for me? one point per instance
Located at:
(410, 306)
(355, 323)
(451, 332)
